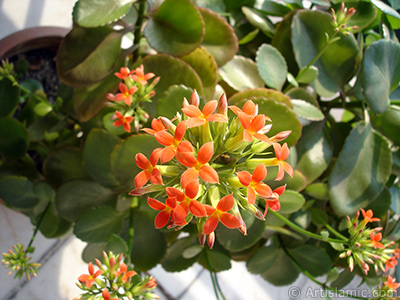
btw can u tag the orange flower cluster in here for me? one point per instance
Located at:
(208, 158)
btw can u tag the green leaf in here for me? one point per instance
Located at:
(291, 202)
(217, 260)
(172, 71)
(312, 259)
(345, 277)
(380, 75)
(95, 13)
(381, 203)
(303, 94)
(13, 138)
(262, 259)
(364, 16)
(88, 55)
(97, 151)
(176, 28)
(395, 197)
(123, 157)
(271, 66)
(234, 240)
(172, 100)
(116, 244)
(79, 196)
(314, 151)
(282, 272)
(175, 261)
(307, 111)
(241, 73)
(219, 39)
(18, 192)
(318, 191)
(260, 93)
(383, 7)
(361, 170)
(43, 108)
(272, 8)
(64, 165)
(259, 21)
(149, 244)
(92, 251)
(206, 67)
(9, 95)
(338, 62)
(307, 75)
(97, 224)
(333, 274)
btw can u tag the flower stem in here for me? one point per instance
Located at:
(217, 289)
(38, 225)
(138, 31)
(131, 231)
(306, 232)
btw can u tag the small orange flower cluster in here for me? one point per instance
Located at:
(207, 157)
(19, 261)
(132, 92)
(114, 280)
(341, 17)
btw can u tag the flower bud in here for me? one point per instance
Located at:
(211, 239)
(223, 105)
(194, 99)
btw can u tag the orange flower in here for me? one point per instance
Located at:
(171, 142)
(273, 201)
(197, 165)
(375, 238)
(151, 284)
(254, 183)
(123, 270)
(249, 108)
(150, 172)
(198, 117)
(220, 214)
(106, 295)
(124, 73)
(123, 121)
(253, 127)
(391, 284)
(140, 77)
(126, 94)
(187, 202)
(166, 210)
(368, 216)
(282, 153)
(392, 262)
(156, 126)
(88, 279)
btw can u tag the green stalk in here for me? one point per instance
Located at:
(213, 279)
(131, 231)
(138, 31)
(38, 225)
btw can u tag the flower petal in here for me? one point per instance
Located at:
(217, 118)
(167, 154)
(244, 178)
(155, 177)
(250, 108)
(226, 203)
(229, 220)
(175, 193)
(263, 189)
(194, 122)
(164, 138)
(245, 120)
(155, 204)
(251, 196)
(288, 168)
(257, 124)
(155, 156)
(191, 111)
(247, 136)
(208, 174)
(186, 158)
(210, 225)
(161, 219)
(180, 212)
(259, 173)
(205, 153)
(180, 131)
(141, 179)
(209, 108)
(188, 176)
(185, 146)
(142, 161)
(192, 188)
(197, 209)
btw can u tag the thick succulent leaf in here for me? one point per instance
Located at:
(361, 170)
(338, 62)
(172, 71)
(307, 111)
(79, 196)
(388, 123)
(271, 66)
(291, 201)
(17, 191)
(123, 157)
(64, 165)
(13, 138)
(217, 260)
(220, 39)
(318, 190)
(314, 151)
(9, 95)
(149, 244)
(174, 261)
(206, 67)
(240, 73)
(303, 94)
(175, 28)
(381, 204)
(96, 13)
(272, 8)
(88, 55)
(313, 259)
(97, 224)
(260, 93)
(395, 198)
(259, 21)
(262, 259)
(383, 7)
(172, 100)
(97, 156)
(380, 73)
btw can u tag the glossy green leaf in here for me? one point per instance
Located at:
(381, 203)
(361, 170)
(278, 112)
(297, 183)
(174, 261)
(206, 67)
(395, 198)
(291, 202)
(116, 244)
(249, 37)
(93, 251)
(64, 165)
(13, 138)
(79, 196)
(172, 100)
(262, 259)
(338, 62)
(88, 55)
(219, 39)
(303, 94)
(17, 191)
(307, 75)
(345, 277)
(95, 13)
(271, 66)
(217, 260)
(258, 20)
(123, 157)
(149, 244)
(312, 259)
(380, 75)
(272, 8)
(383, 7)
(260, 93)
(97, 156)
(314, 151)
(241, 73)
(175, 28)
(307, 111)
(43, 108)
(9, 95)
(234, 240)
(97, 224)
(318, 191)
(172, 71)
(52, 225)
